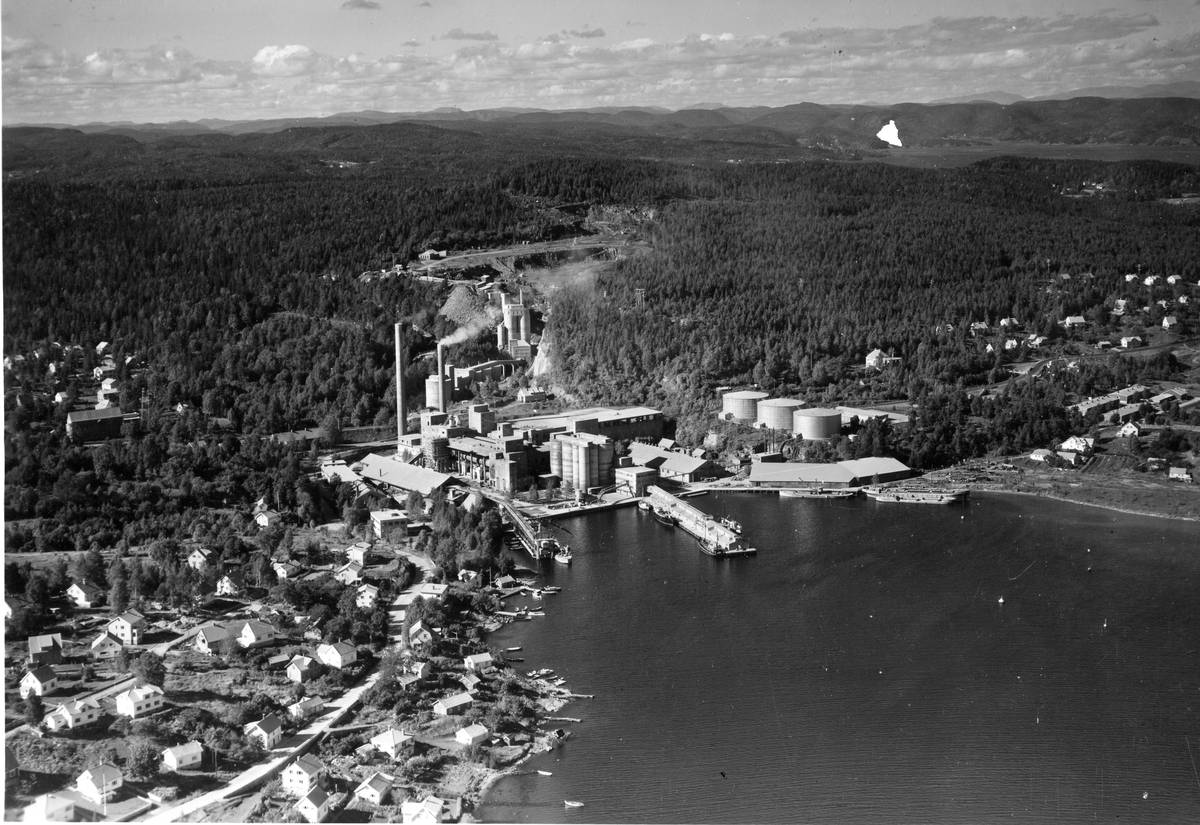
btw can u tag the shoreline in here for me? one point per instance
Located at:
(1099, 505)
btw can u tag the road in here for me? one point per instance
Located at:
(484, 256)
(280, 757)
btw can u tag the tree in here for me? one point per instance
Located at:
(143, 760)
(118, 596)
(34, 710)
(150, 669)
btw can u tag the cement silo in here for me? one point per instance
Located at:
(741, 405)
(776, 413)
(433, 392)
(817, 423)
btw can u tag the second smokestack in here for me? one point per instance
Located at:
(441, 367)
(401, 406)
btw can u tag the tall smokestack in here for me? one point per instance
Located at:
(441, 361)
(401, 406)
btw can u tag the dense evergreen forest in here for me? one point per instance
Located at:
(223, 272)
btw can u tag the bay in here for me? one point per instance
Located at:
(862, 668)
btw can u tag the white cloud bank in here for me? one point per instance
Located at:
(943, 58)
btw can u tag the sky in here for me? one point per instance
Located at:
(80, 61)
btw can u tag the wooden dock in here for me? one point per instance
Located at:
(715, 538)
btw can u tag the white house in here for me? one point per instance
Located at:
(198, 560)
(314, 806)
(256, 634)
(453, 704)
(182, 757)
(128, 627)
(472, 734)
(419, 634)
(1073, 321)
(101, 783)
(427, 812)
(1079, 444)
(1128, 430)
(268, 731)
(367, 595)
(306, 707)
(74, 714)
(209, 638)
(432, 590)
(1180, 474)
(469, 680)
(50, 807)
(107, 646)
(139, 701)
(389, 524)
(359, 553)
(394, 743)
(375, 789)
(39, 681)
(419, 669)
(1131, 341)
(285, 570)
(479, 663)
(231, 584)
(1041, 455)
(85, 595)
(1170, 322)
(302, 776)
(337, 655)
(266, 518)
(349, 573)
(302, 669)
(46, 649)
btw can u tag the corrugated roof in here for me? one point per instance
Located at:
(671, 462)
(863, 467)
(94, 415)
(773, 473)
(405, 476)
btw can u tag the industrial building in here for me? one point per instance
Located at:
(397, 475)
(741, 405)
(671, 465)
(617, 424)
(857, 473)
(635, 481)
(582, 460)
(95, 425)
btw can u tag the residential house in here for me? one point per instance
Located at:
(359, 553)
(1170, 322)
(388, 525)
(12, 604)
(306, 707)
(199, 558)
(1074, 321)
(420, 669)
(1129, 429)
(876, 359)
(185, 756)
(139, 701)
(210, 637)
(466, 575)
(231, 584)
(45, 650)
(469, 681)
(472, 734)
(268, 731)
(453, 704)
(367, 595)
(128, 627)
(315, 805)
(40, 680)
(1180, 474)
(479, 663)
(432, 590)
(394, 743)
(1070, 458)
(267, 518)
(1079, 444)
(1041, 455)
(85, 594)
(50, 807)
(107, 646)
(256, 634)
(101, 783)
(427, 812)
(419, 635)
(350, 573)
(74, 714)
(375, 789)
(1131, 341)
(285, 570)
(337, 655)
(303, 669)
(1128, 412)
(302, 776)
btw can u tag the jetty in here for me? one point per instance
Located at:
(716, 539)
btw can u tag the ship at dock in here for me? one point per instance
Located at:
(819, 492)
(716, 537)
(918, 495)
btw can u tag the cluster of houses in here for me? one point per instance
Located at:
(1126, 405)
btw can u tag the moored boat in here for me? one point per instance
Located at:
(571, 804)
(644, 504)
(819, 492)
(731, 524)
(664, 517)
(563, 556)
(917, 495)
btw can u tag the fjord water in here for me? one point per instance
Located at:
(861, 668)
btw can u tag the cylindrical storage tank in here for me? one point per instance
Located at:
(433, 389)
(817, 423)
(556, 460)
(776, 413)
(582, 465)
(512, 320)
(605, 465)
(741, 405)
(568, 463)
(501, 336)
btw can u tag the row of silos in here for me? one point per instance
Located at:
(582, 460)
(785, 414)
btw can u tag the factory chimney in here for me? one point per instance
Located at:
(401, 406)
(441, 368)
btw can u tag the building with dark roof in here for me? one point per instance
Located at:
(95, 425)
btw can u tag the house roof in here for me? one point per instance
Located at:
(213, 633)
(37, 644)
(309, 764)
(186, 749)
(257, 628)
(342, 648)
(479, 658)
(456, 700)
(137, 694)
(88, 588)
(405, 476)
(41, 674)
(106, 638)
(353, 567)
(268, 724)
(93, 415)
(474, 730)
(130, 618)
(377, 782)
(390, 738)
(316, 797)
(302, 662)
(102, 774)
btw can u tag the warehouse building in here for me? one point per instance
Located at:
(618, 424)
(95, 425)
(670, 465)
(857, 473)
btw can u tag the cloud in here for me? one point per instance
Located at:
(586, 33)
(364, 5)
(429, 5)
(941, 58)
(459, 34)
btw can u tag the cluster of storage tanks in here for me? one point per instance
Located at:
(786, 414)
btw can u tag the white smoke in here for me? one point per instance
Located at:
(468, 331)
(890, 133)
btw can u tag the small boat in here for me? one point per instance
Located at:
(644, 504)
(731, 524)
(512, 649)
(917, 495)
(513, 659)
(571, 804)
(536, 613)
(545, 773)
(559, 682)
(551, 590)
(664, 517)
(819, 492)
(563, 556)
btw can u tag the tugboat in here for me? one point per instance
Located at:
(731, 524)
(664, 517)
(563, 556)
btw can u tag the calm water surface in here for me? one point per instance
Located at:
(862, 668)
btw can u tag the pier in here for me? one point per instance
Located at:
(525, 534)
(715, 538)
